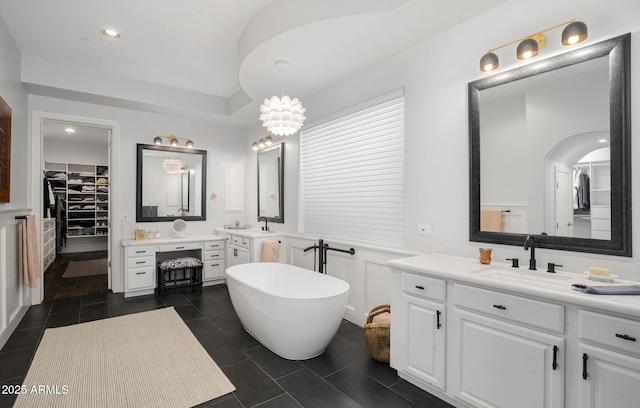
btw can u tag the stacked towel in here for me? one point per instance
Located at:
(269, 251)
(608, 290)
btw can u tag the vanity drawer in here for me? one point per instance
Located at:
(239, 241)
(140, 278)
(535, 313)
(614, 332)
(180, 247)
(213, 245)
(140, 251)
(213, 269)
(141, 261)
(424, 286)
(213, 255)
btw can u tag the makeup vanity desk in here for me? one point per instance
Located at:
(140, 259)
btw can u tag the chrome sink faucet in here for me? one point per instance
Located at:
(530, 243)
(266, 227)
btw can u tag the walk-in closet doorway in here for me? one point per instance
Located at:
(75, 202)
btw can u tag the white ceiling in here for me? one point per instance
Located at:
(214, 58)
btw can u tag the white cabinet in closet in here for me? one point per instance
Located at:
(48, 242)
(86, 189)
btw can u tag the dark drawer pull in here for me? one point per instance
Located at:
(140, 273)
(555, 358)
(215, 246)
(140, 262)
(420, 287)
(215, 264)
(625, 337)
(141, 252)
(180, 247)
(500, 307)
(438, 325)
(585, 375)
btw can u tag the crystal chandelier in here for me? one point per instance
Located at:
(282, 116)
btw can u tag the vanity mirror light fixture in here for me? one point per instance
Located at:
(173, 141)
(262, 143)
(529, 46)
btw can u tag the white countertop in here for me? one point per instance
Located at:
(250, 233)
(171, 240)
(465, 270)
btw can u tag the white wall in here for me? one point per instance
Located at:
(435, 74)
(72, 152)
(14, 296)
(223, 144)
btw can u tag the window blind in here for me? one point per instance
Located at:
(352, 174)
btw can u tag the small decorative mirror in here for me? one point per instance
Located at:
(271, 183)
(178, 227)
(170, 183)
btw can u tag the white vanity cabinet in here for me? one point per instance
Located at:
(141, 257)
(419, 349)
(238, 250)
(609, 357)
(503, 355)
(214, 260)
(245, 246)
(140, 269)
(537, 344)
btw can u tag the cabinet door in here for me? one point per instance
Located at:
(424, 348)
(236, 255)
(609, 379)
(499, 364)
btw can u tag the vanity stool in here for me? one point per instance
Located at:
(179, 273)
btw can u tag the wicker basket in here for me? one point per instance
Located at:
(377, 336)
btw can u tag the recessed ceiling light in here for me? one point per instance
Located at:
(107, 32)
(602, 140)
(70, 130)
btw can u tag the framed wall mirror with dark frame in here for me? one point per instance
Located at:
(550, 152)
(271, 183)
(170, 183)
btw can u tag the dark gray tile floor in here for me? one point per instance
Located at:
(343, 376)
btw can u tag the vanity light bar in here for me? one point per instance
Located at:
(263, 142)
(173, 141)
(529, 46)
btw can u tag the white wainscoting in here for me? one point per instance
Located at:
(15, 297)
(366, 272)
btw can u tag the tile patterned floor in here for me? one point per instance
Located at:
(57, 287)
(343, 376)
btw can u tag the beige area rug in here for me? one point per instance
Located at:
(76, 269)
(148, 359)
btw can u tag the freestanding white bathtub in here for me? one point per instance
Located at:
(292, 311)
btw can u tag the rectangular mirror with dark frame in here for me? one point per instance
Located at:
(271, 183)
(170, 183)
(550, 152)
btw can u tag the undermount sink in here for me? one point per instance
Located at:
(525, 276)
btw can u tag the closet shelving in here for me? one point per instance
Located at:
(599, 213)
(86, 189)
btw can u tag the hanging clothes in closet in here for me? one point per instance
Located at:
(581, 187)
